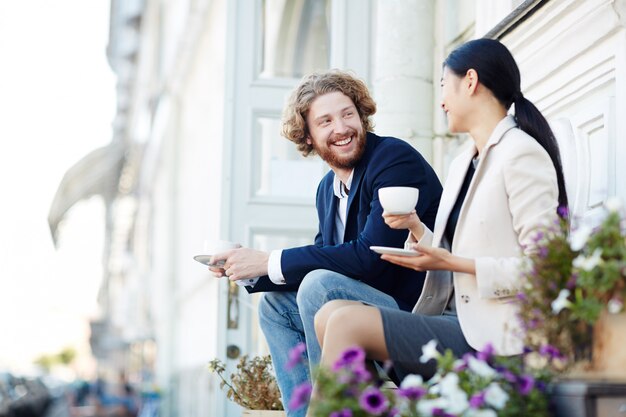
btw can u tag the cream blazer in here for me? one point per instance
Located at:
(514, 191)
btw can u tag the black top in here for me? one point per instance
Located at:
(454, 214)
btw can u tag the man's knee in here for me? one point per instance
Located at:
(315, 287)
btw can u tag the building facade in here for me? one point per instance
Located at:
(198, 155)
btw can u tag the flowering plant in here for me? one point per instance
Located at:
(570, 281)
(474, 386)
(253, 386)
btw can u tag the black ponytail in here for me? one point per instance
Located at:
(531, 121)
(498, 71)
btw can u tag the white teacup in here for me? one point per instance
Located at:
(398, 200)
(212, 247)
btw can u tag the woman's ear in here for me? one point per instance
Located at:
(471, 79)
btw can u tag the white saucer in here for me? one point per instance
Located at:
(394, 251)
(205, 259)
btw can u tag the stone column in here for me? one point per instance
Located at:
(403, 71)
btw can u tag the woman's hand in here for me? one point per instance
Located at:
(409, 221)
(433, 258)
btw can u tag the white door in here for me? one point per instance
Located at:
(270, 186)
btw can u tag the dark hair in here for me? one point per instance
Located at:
(314, 85)
(498, 71)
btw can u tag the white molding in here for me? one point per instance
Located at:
(351, 36)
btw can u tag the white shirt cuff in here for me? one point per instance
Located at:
(426, 240)
(274, 269)
(249, 282)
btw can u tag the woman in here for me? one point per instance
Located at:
(496, 195)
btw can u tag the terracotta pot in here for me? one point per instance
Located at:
(609, 346)
(263, 413)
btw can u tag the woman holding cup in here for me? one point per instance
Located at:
(504, 186)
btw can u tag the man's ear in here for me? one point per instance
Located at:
(471, 81)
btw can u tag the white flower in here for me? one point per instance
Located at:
(578, 238)
(480, 368)
(495, 396)
(429, 351)
(613, 204)
(449, 384)
(458, 402)
(587, 264)
(480, 413)
(412, 381)
(561, 301)
(458, 363)
(615, 306)
(457, 398)
(425, 407)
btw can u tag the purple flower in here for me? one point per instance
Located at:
(563, 211)
(300, 396)
(571, 282)
(411, 393)
(350, 356)
(477, 400)
(541, 386)
(509, 376)
(394, 412)
(438, 412)
(351, 392)
(361, 374)
(550, 351)
(521, 296)
(526, 384)
(543, 252)
(295, 355)
(538, 236)
(373, 401)
(346, 412)
(487, 353)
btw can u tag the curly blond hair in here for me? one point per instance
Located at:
(314, 85)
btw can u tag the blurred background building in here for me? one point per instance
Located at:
(196, 152)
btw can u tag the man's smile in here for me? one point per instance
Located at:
(343, 142)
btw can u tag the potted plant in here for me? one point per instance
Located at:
(253, 386)
(479, 385)
(573, 302)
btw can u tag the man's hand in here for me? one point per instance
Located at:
(241, 263)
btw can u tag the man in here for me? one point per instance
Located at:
(329, 114)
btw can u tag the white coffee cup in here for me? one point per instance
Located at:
(398, 200)
(213, 247)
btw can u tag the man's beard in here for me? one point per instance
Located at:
(343, 162)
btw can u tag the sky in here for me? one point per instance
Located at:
(57, 102)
